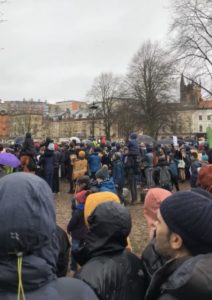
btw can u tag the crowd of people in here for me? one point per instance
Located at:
(35, 254)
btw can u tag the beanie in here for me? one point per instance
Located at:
(189, 214)
(81, 154)
(205, 178)
(102, 173)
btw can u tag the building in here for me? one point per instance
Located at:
(4, 125)
(71, 105)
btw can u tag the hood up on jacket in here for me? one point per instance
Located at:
(27, 227)
(152, 202)
(109, 227)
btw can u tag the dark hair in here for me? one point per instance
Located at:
(1, 147)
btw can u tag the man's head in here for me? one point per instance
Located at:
(184, 225)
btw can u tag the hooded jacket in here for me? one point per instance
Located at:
(117, 271)
(28, 233)
(152, 202)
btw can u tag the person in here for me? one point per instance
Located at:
(118, 175)
(29, 245)
(204, 181)
(27, 154)
(195, 166)
(76, 226)
(117, 272)
(105, 183)
(133, 145)
(152, 202)
(94, 162)
(174, 172)
(148, 167)
(183, 238)
(63, 257)
(80, 166)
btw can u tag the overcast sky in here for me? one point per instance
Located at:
(53, 49)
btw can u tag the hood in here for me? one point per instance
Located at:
(133, 136)
(27, 224)
(95, 199)
(107, 186)
(152, 202)
(109, 226)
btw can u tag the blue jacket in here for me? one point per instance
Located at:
(118, 172)
(107, 186)
(94, 162)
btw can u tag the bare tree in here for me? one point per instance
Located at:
(104, 91)
(126, 118)
(150, 81)
(191, 33)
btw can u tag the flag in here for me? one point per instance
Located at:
(209, 137)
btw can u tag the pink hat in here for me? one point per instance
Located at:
(152, 202)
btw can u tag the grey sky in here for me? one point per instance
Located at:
(53, 49)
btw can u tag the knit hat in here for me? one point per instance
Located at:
(81, 154)
(189, 214)
(205, 178)
(152, 203)
(102, 173)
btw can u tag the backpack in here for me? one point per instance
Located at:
(165, 178)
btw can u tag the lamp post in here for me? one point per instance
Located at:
(93, 107)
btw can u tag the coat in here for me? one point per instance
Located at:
(27, 212)
(118, 173)
(117, 271)
(94, 162)
(183, 278)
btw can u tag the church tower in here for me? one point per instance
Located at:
(190, 94)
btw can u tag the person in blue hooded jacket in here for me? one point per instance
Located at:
(94, 162)
(29, 246)
(105, 183)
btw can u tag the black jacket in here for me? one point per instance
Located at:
(151, 262)
(76, 226)
(113, 272)
(186, 278)
(64, 252)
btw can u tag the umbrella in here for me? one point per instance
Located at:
(8, 159)
(146, 139)
(75, 138)
(165, 142)
(19, 140)
(86, 142)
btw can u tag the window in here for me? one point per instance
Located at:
(200, 128)
(200, 117)
(209, 117)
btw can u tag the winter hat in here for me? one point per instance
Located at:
(102, 173)
(152, 203)
(189, 214)
(133, 136)
(205, 177)
(81, 154)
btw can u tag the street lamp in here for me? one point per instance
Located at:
(93, 107)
